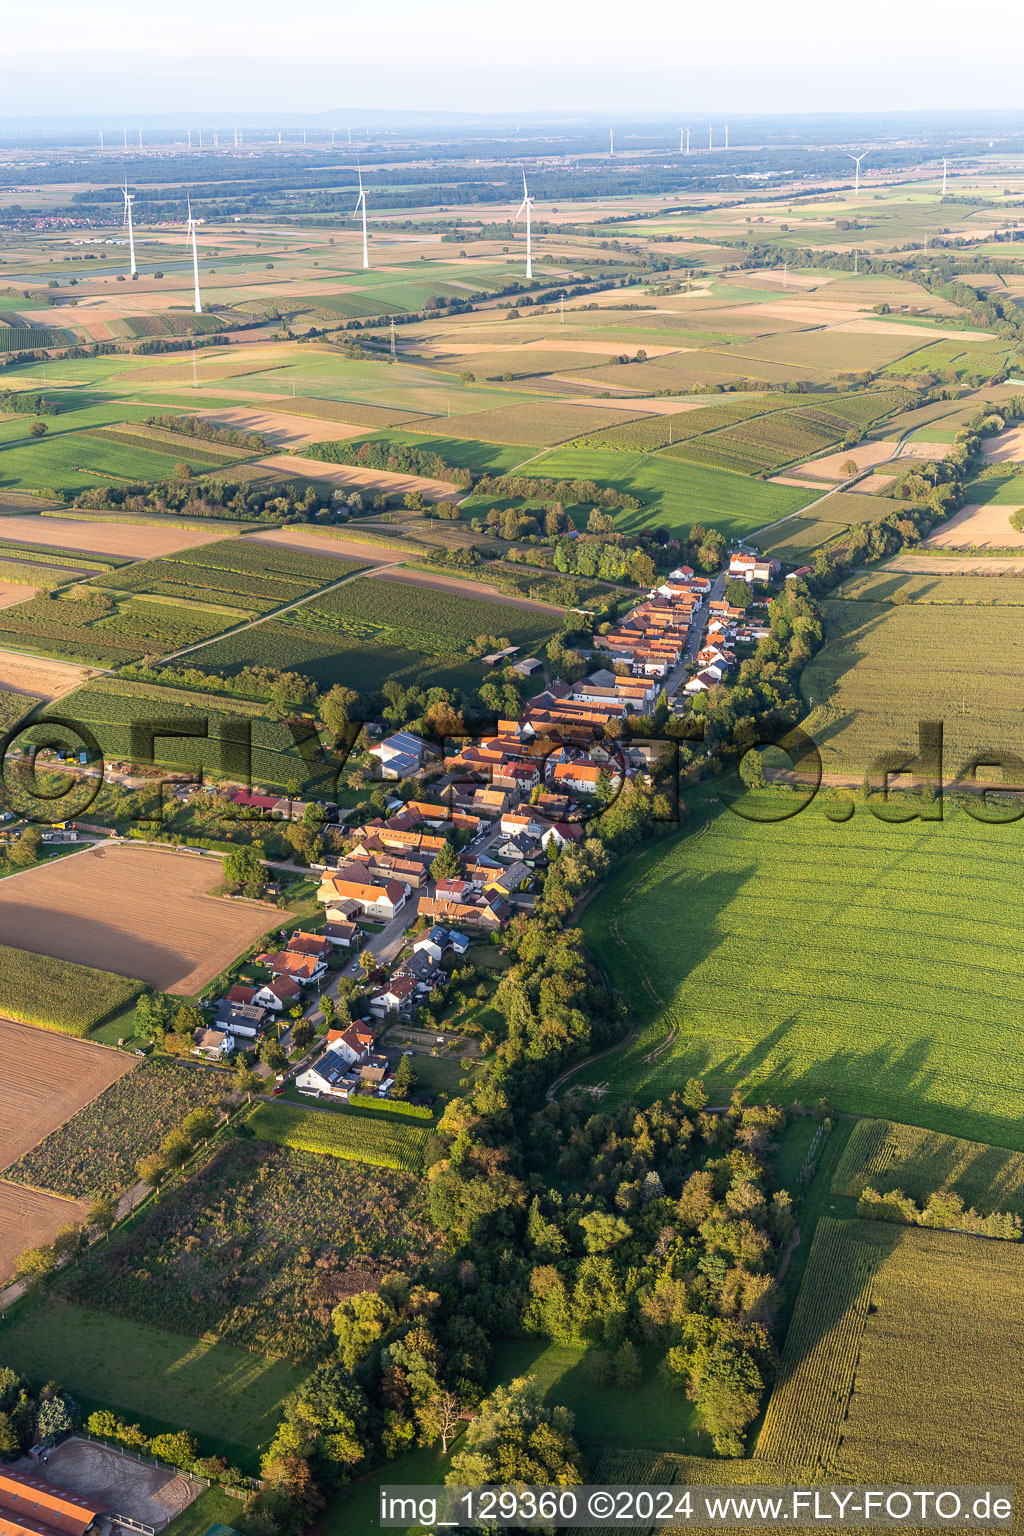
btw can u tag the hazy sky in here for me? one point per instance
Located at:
(189, 56)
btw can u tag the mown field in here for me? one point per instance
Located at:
(893, 993)
(56, 994)
(229, 1397)
(97, 1150)
(345, 1134)
(902, 649)
(675, 495)
(272, 1239)
(889, 1156)
(867, 1392)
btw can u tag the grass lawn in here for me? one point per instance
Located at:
(892, 990)
(226, 1396)
(213, 1507)
(653, 1417)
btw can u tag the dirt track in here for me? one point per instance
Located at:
(132, 910)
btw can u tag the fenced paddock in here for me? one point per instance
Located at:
(141, 1491)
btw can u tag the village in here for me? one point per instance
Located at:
(413, 892)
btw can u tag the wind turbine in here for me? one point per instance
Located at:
(189, 132)
(361, 204)
(945, 162)
(687, 141)
(101, 138)
(857, 160)
(711, 137)
(526, 203)
(195, 253)
(727, 135)
(611, 141)
(128, 198)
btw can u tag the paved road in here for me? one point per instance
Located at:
(695, 640)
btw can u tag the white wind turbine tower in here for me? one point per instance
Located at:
(361, 206)
(945, 163)
(611, 141)
(527, 204)
(857, 160)
(195, 254)
(711, 136)
(680, 141)
(687, 141)
(128, 199)
(727, 135)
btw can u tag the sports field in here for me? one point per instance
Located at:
(133, 910)
(869, 964)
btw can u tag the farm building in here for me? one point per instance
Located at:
(31, 1507)
(380, 901)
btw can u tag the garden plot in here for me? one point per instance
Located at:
(136, 911)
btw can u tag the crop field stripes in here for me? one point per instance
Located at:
(808, 1407)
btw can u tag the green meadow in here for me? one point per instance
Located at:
(870, 964)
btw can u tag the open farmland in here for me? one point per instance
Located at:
(914, 913)
(96, 1151)
(855, 1395)
(889, 1156)
(377, 628)
(134, 540)
(675, 495)
(387, 1143)
(47, 1079)
(28, 1219)
(274, 1239)
(897, 652)
(52, 992)
(136, 911)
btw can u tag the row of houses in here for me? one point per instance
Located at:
(653, 635)
(245, 1013)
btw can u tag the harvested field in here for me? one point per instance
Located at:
(29, 1219)
(975, 526)
(921, 448)
(280, 428)
(150, 1495)
(830, 467)
(350, 478)
(39, 676)
(135, 911)
(101, 538)
(876, 485)
(47, 1078)
(952, 565)
(12, 592)
(1007, 448)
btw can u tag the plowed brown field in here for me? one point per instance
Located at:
(29, 1219)
(132, 910)
(47, 1078)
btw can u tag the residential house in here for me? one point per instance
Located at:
(243, 1020)
(507, 881)
(522, 823)
(240, 994)
(352, 1042)
(212, 1044)
(375, 1075)
(278, 994)
(580, 777)
(377, 901)
(434, 943)
(489, 914)
(396, 996)
(562, 832)
(701, 682)
(317, 946)
(332, 1077)
(305, 969)
(425, 971)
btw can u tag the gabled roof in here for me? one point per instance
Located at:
(29, 1503)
